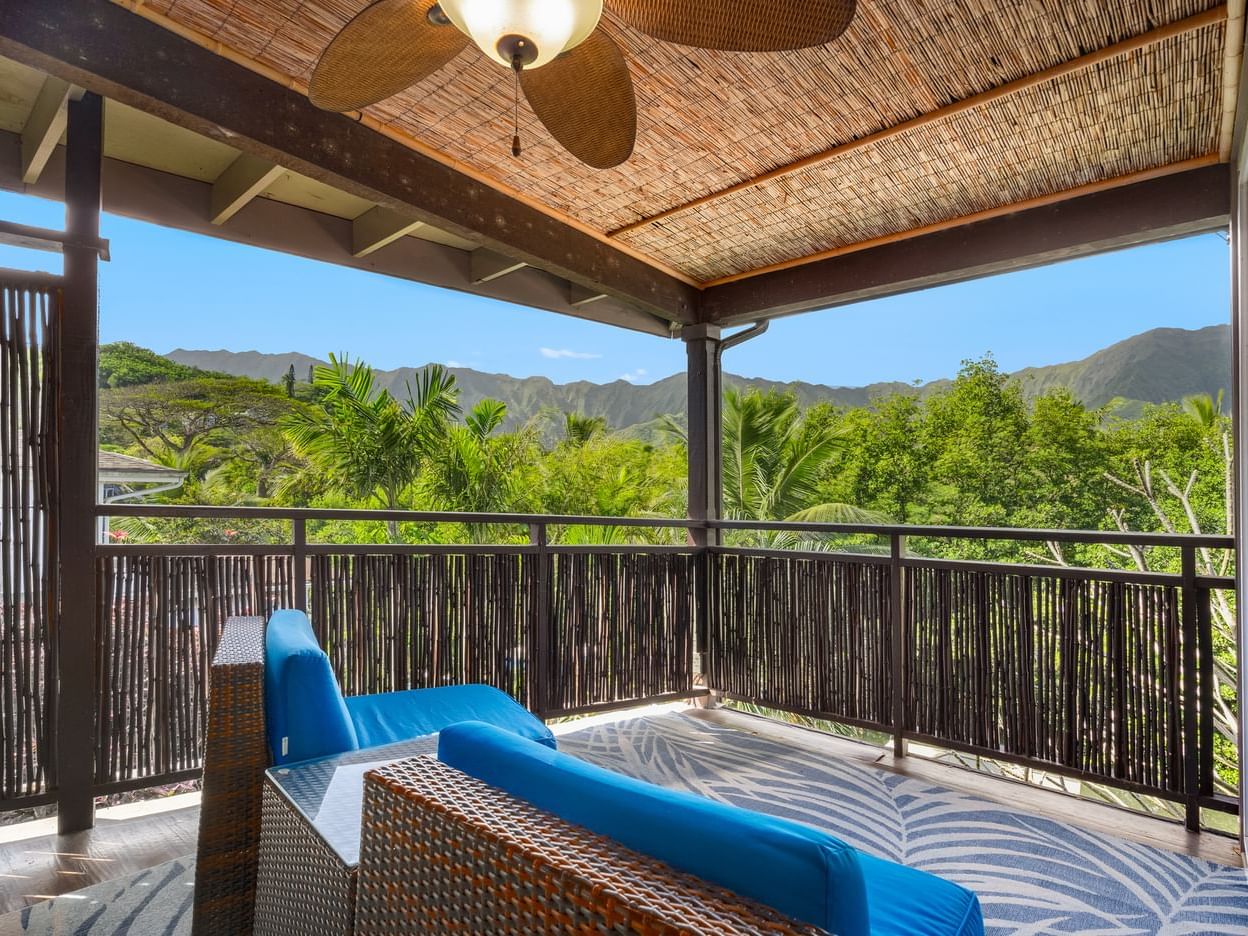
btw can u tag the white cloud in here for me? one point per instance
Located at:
(456, 364)
(635, 376)
(568, 353)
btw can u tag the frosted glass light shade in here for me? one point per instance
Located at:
(553, 26)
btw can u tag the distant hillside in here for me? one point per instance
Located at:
(1154, 367)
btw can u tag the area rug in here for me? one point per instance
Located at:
(155, 902)
(1032, 875)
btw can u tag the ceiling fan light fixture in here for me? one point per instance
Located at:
(542, 29)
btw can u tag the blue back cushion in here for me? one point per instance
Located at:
(410, 713)
(804, 873)
(305, 715)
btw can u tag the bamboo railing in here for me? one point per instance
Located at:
(1101, 675)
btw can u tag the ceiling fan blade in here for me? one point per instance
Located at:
(585, 99)
(386, 48)
(738, 25)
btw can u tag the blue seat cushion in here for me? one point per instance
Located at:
(909, 902)
(305, 714)
(397, 716)
(804, 873)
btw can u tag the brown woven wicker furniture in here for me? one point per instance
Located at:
(306, 855)
(310, 841)
(235, 757)
(442, 852)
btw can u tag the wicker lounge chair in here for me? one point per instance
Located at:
(303, 701)
(442, 852)
(580, 877)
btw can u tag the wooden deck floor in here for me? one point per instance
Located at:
(123, 842)
(40, 864)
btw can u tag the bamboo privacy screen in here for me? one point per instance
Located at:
(396, 621)
(31, 310)
(593, 629)
(159, 621)
(622, 628)
(1103, 675)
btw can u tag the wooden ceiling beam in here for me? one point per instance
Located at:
(44, 127)
(1012, 208)
(101, 46)
(378, 227)
(177, 202)
(244, 179)
(1143, 41)
(1154, 209)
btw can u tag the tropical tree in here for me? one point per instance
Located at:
(475, 469)
(366, 443)
(578, 429)
(773, 458)
(187, 423)
(1178, 472)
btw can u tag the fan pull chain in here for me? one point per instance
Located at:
(516, 65)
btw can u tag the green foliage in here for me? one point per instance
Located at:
(579, 429)
(364, 442)
(773, 459)
(973, 453)
(125, 364)
(201, 426)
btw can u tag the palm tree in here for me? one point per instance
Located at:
(363, 440)
(1204, 409)
(578, 429)
(773, 461)
(474, 470)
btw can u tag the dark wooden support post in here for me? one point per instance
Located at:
(1239, 411)
(539, 670)
(1204, 625)
(299, 534)
(1191, 694)
(705, 429)
(705, 486)
(897, 611)
(76, 459)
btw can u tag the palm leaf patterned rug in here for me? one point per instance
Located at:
(1033, 876)
(155, 902)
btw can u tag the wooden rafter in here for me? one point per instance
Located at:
(378, 227)
(1232, 61)
(488, 266)
(103, 47)
(44, 127)
(1142, 41)
(580, 296)
(244, 179)
(177, 202)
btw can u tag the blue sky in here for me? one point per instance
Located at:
(167, 289)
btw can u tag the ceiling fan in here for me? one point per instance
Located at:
(573, 74)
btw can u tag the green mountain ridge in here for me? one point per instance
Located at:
(1153, 367)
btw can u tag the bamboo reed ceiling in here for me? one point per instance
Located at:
(711, 120)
